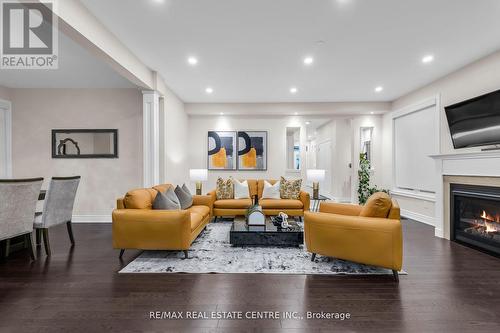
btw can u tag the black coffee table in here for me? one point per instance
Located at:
(242, 234)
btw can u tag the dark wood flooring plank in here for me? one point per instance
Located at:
(449, 288)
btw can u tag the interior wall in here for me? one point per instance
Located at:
(343, 134)
(276, 147)
(175, 123)
(35, 112)
(4, 93)
(475, 79)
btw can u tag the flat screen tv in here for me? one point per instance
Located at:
(475, 122)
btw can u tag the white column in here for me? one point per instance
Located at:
(151, 138)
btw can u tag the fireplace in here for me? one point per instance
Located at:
(475, 216)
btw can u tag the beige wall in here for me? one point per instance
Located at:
(4, 93)
(36, 112)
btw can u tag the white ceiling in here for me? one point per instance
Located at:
(77, 69)
(252, 50)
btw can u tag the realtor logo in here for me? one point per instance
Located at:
(29, 35)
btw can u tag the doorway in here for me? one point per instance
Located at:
(324, 162)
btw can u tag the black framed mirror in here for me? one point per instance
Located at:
(84, 143)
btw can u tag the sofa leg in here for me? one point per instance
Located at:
(186, 254)
(121, 253)
(396, 275)
(313, 256)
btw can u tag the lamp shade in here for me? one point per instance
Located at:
(198, 175)
(315, 175)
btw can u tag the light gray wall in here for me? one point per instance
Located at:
(36, 112)
(174, 146)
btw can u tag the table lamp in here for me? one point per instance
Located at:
(315, 176)
(198, 176)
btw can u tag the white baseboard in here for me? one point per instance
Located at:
(418, 217)
(91, 219)
(439, 233)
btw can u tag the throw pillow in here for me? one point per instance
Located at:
(164, 202)
(378, 205)
(185, 199)
(186, 189)
(172, 196)
(290, 189)
(224, 189)
(241, 190)
(271, 191)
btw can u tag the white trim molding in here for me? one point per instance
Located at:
(418, 217)
(425, 104)
(485, 164)
(427, 196)
(91, 219)
(151, 138)
(7, 106)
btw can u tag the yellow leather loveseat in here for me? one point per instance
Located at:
(137, 226)
(235, 207)
(369, 234)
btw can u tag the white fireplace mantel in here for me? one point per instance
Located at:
(480, 164)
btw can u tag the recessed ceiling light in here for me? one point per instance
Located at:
(209, 90)
(308, 123)
(222, 113)
(428, 58)
(193, 61)
(379, 89)
(159, 1)
(372, 112)
(308, 60)
(296, 113)
(293, 90)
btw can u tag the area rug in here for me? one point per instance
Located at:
(212, 253)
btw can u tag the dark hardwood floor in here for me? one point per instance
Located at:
(450, 288)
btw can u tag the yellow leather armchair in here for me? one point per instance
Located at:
(339, 231)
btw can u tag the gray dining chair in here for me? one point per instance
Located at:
(18, 198)
(57, 208)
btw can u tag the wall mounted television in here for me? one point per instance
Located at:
(475, 122)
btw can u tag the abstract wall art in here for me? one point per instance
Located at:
(222, 150)
(252, 150)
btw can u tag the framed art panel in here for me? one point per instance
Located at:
(221, 150)
(252, 150)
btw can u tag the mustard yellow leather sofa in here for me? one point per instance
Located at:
(235, 207)
(137, 226)
(339, 231)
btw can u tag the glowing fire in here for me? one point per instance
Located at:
(490, 222)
